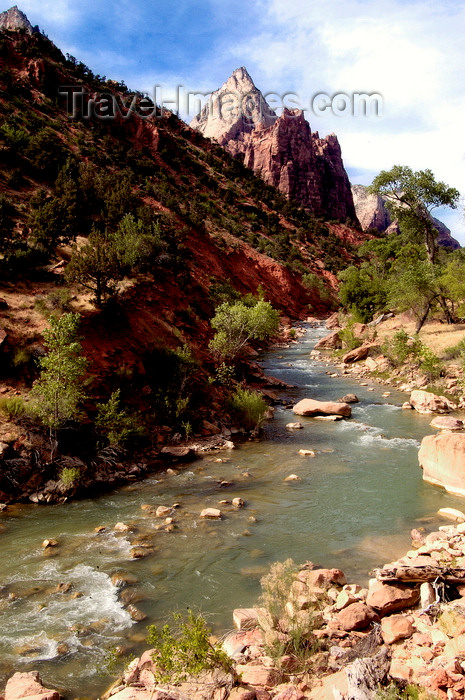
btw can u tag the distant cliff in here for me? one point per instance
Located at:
(282, 150)
(372, 214)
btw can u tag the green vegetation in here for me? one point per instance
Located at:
(118, 425)
(410, 692)
(69, 476)
(13, 407)
(238, 323)
(248, 408)
(185, 649)
(58, 392)
(402, 348)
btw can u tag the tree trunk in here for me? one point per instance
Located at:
(365, 675)
(447, 313)
(423, 318)
(420, 574)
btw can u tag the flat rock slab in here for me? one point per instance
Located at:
(310, 407)
(447, 423)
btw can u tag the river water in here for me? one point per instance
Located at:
(353, 508)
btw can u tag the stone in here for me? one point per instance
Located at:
(344, 599)
(357, 616)
(293, 477)
(329, 419)
(427, 595)
(294, 426)
(407, 406)
(452, 514)
(331, 341)
(180, 454)
(49, 543)
(350, 398)
(238, 503)
(246, 618)
(371, 364)
(28, 685)
(251, 674)
(333, 321)
(396, 627)
(447, 423)
(310, 407)
(163, 511)
(442, 458)
(307, 453)
(211, 514)
(388, 598)
(121, 527)
(330, 687)
(357, 354)
(427, 402)
(322, 578)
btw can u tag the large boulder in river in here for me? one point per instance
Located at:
(329, 342)
(26, 685)
(358, 354)
(442, 458)
(310, 407)
(333, 321)
(427, 402)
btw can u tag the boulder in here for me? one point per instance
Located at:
(388, 598)
(357, 354)
(329, 342)
(442, 458)
(447, 423)
(452, 514)
(371, 364)
(333, 321)
(322, 578)
(163, 511)
(396, 627)
(310, 407)
(25, 685)
(211, 514)
(294, 426)
(357, 616)
(293, 477)
(349, 398)
(251, 674)
(247, 618)
(180, 454)
(427, 402)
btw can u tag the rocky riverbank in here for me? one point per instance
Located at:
(331, 639)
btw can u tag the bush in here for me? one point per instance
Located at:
(13, 408)
(69, 476)
(238, 323)
(248, 408)
(184, 651)
(117, 424)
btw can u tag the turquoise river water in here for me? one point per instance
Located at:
(354, 507)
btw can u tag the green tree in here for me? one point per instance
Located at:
(411, 196)
(362, 291)
(236, 324)
(59, 391)
(413, 286)
(6, 222)
(95, 266)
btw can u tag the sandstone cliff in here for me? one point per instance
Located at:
(14, 20)
(372, 214)
(282, 150)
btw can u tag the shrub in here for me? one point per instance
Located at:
(117, 424)
(236, 324)
(248, 407)
(348, 338)
(185, 650)
(430, 363)
(454, 351)
(69, 476)
(13, 408)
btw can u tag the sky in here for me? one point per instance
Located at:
(410, 52)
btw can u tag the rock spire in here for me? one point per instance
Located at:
(14, 20)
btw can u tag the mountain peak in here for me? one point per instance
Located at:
(14, 20)
(237, 107)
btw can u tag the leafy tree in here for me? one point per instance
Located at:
(236, 324)
(118, 424)
(95, 266)
(362, 291)
(59, 391)
(411, 196)
(413, 286)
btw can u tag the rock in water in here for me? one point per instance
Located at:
(310, 407)
(442, 458)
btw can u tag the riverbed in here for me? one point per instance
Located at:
(353, 508)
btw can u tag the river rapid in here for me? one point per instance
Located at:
(353, 508)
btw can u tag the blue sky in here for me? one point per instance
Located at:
(410, 52)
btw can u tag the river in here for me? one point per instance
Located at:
(353, 508)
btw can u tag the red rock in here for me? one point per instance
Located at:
(329, 342)
(447, 423)
(358, 354)
(322, 578)
(257, 675)
(427, 402)
(289, 692)
(396, 627)
(310, 407)
(356, 616)
(333, 321)
(442, 458)
(25, 685)
(182, 454)
(388, 598)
